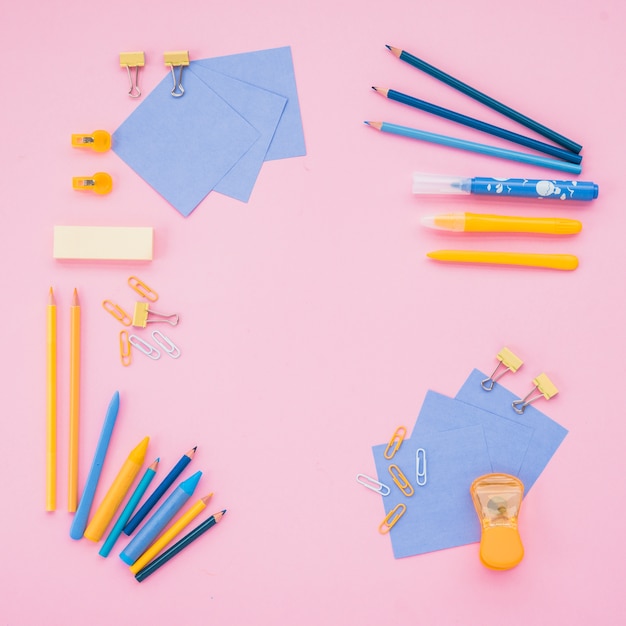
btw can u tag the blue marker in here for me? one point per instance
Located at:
(79, 523)
(505, 187)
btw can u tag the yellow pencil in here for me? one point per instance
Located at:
(169, 534)
(122, 483)
(51, 404)
(72, 493)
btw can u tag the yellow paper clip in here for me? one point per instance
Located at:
(544, 387)
(401, 480)
(117, 312)
(140, 316)
(180, 59)
(391, 518)
(134, 60)
(125, 354)
(100, 183)
(396, 441)
(98, 141)
(507, 362)
(142, 289)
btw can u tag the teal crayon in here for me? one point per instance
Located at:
(116, 531)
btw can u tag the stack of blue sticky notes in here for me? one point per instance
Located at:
(475, 433)
(237, 112)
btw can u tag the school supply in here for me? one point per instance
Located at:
(471, 122)
(73, 456)
(51, 402)
(373, 484)
(166, 344)
(543, 388)
(133, 60)
(156, 495)
(142, 313)
(103, 243)
(98, 141)
(144, 347)
(526, 259)
(100, 183)
(472, 146)
(507, 362)
(486, 223)
(178, 546)
(485, 99)
(396, 441)
(139, 287)
(133, 501)
(79, 523)
(179, 59)
(159, 520)
(436, 184)
(117, 491)
(182, 522)
(497, 499)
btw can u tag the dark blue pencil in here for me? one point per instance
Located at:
(472, 122)
(154, 497)
(486, 100)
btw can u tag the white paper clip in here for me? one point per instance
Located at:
(166, 344)
(373, 484)
(420, 467)
(507, 362)
(544, 388)
(144, 347)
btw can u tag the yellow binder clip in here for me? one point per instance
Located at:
(100, 183)
(98, 141)
(133, 60)
(179, 59)
(544, 387)
(141, 313)
(497, 499)
(507, 362)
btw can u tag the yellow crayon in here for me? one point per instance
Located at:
(117, 491)
(169, 534)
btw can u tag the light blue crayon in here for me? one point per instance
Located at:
(116, 531)
(153, 527)
(79, 523)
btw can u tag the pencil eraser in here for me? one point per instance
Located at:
(109, 243)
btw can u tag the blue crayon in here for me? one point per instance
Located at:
(79, 523)
(159, 520)
(116, 531)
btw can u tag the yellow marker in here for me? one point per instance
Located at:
(117, 491)
(549, 261)
(169, 534)
(477, 223)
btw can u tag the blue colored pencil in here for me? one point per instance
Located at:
(472, 122)
(155, 496)
(79, 523)
(171, 552)
(472, 146)
(116, 531)
(485, 99)
(153, 527)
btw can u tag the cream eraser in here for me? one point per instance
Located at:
(111, 243)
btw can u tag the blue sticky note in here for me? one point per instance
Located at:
(547, 434)
(507, 439)
(272, 70)
(440, 514)
(260, 108)
(182, 147)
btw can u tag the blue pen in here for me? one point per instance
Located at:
(116, 531)
(472, 146)
(153, 527)
(436, 184)
(79, 523)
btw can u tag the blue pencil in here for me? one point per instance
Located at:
(485, 99)
(472, 122)
(155, 496)
(472, 146)
(153, 527)
(79, 523)
(116, 531)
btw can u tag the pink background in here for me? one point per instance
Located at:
(312, 322)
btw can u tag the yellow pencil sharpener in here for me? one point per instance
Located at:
(498, 499)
